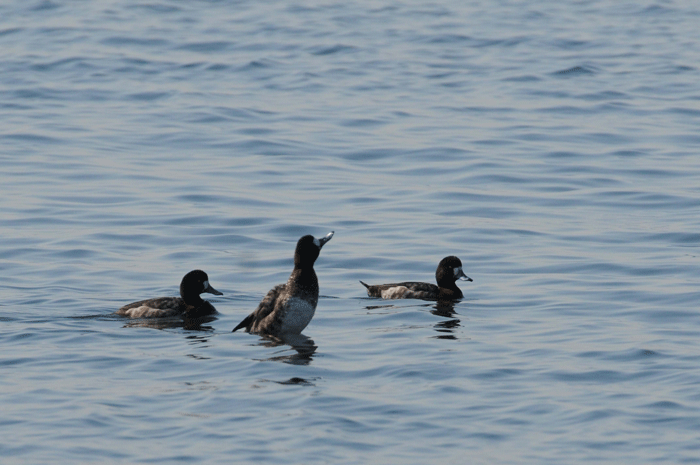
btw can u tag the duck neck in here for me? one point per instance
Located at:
(449, 290)
(448, 284)
(191, 298)
(303, 282)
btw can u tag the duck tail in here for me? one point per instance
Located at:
(365, 284)
(244, 324)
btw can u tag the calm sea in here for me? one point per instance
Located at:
(553, 146)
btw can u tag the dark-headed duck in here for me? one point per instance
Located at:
(288, 308)
(190, 304)
(449, 270)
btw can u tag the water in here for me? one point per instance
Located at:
(551, 146)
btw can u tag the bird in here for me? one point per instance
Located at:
(448, 271)
(190, 304)
(288, 308)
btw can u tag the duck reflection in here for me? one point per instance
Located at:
(190, 324)
(444, 309)
(304, 348)
(387, 306)
(295, 382)
(446, 328)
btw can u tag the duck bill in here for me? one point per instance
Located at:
(324, 239)
(211, 290)
(463, 277)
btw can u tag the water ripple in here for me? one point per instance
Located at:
(552, 148)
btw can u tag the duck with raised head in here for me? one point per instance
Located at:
(189, 304)
(288, 308)
(449, 270)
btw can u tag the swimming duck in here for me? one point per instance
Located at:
(448, 271)
(288, 308)
(189, 305)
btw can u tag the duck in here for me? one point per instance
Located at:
(190, 304)
(288, 308)
(449, 270)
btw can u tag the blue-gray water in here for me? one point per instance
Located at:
(552, 146)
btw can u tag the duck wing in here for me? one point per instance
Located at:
(264, 310)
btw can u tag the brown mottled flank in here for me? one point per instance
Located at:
(407, 290)
(160, 307)
(165, 307)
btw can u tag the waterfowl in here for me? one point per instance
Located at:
(288, 308)
(190, 304)
(449, 270)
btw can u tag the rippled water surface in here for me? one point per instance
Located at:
(552, 146)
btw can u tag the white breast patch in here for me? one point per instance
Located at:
(297, 316)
